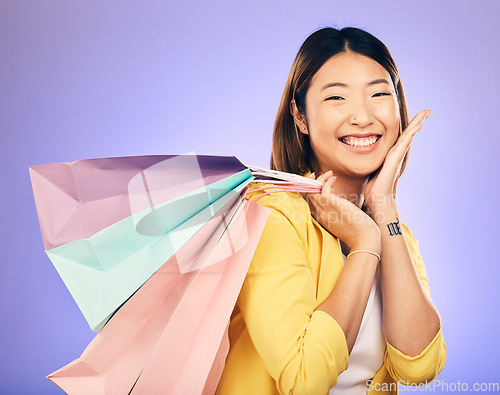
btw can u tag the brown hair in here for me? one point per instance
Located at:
(292, 151)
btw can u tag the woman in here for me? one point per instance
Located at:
(336, 298)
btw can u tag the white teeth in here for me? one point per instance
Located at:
(359, 142)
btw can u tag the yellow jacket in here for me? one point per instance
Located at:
(279, 343)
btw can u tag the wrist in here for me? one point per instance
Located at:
(373, 247)
(380, 201)
(371, 242)
(382, 215)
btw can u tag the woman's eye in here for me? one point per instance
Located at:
(381, 94)
(334, 98)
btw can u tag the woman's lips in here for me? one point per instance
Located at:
(361, 149)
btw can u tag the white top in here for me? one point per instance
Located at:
(367, 354)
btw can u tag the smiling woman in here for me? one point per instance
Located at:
(359, 114)
(337, 298)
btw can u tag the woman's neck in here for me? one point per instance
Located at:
(350, 189)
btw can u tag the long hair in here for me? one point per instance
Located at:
(292, 151)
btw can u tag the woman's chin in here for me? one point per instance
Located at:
(363, 172)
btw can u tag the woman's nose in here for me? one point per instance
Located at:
(360, 115)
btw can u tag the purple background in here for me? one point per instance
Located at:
(111, 78)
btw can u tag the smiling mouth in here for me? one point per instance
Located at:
(360, 142)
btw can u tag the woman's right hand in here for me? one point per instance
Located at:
(344, 219)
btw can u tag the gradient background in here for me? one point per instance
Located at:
(111, 78)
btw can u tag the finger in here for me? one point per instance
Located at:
(396, 153)
(408, 135)
(418, 119)
(428, 113)
(399, 149)
(331, 177)
(413, 127)
(327, 186)
(411, 130)
(325, 176)
(326, 194)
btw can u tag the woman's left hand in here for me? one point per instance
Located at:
(379, 191)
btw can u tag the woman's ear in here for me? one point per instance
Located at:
(298, 117)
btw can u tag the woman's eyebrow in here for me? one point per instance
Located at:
(379, 81)
(332, 84)
(342, 85)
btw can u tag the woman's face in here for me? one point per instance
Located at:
(352, 115)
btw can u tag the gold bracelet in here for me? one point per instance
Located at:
(370, 252)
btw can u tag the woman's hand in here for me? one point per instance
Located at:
(342, 218)
(379, 190)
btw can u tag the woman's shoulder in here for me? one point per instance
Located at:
(287, 208)
(287, 228)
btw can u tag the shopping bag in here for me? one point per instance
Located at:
(108, 224)
(171, 335)
(100, 218)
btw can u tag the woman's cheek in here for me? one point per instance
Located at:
(394, 137)
(394, 126)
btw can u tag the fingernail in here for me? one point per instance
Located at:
(427, 115)
(424, 117)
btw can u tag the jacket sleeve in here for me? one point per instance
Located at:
(425, 366)
(303, 350)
